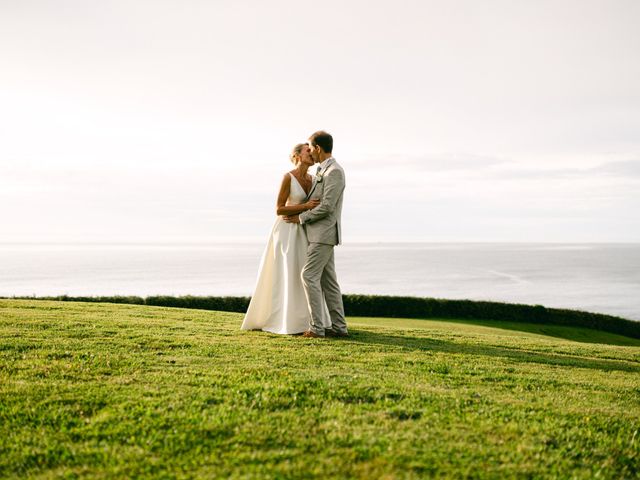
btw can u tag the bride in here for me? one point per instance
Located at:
(279, 304)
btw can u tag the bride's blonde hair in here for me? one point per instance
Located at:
(296, 151)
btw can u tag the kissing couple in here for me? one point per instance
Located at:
(297, 291)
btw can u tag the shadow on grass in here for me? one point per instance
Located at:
(575, 334)
(516, 354)
(565, 332)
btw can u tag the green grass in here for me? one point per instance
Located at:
(91, 390)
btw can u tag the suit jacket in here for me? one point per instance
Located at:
(322, 223)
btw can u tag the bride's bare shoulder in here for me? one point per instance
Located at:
(286, 182)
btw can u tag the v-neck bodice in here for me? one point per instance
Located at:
(297, 193)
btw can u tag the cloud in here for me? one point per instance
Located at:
(624, 168)
(443, 162)
(620, 169)
(496, 167)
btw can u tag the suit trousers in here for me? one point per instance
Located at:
(319, 280)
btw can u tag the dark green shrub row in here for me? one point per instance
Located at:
(414, 307)
(401, 307)
(223, 304)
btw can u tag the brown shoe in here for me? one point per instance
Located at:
(310, 334)
(335, 333)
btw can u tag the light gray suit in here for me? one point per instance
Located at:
(323, 228)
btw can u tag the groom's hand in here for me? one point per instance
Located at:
(292, 219)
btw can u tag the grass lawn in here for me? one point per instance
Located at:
(92, 390)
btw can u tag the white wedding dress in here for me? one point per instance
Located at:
(279, 304)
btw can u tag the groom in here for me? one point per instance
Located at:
(322, 225)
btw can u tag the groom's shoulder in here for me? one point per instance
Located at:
(335, 171)
(337, 166)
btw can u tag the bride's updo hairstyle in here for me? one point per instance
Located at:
(296, 152)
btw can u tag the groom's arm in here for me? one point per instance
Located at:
(332, 190)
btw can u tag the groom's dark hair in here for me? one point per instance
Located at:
(323, 140)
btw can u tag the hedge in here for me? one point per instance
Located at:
(399, 307)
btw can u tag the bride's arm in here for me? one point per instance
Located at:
(285, 189)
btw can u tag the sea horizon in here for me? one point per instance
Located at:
(591, 276)
(261, 239)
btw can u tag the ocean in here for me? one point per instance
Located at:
(601, 278)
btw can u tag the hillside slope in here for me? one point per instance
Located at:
(111, 391)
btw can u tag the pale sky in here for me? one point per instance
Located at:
(171, 121)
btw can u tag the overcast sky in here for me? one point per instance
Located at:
(169, 121)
